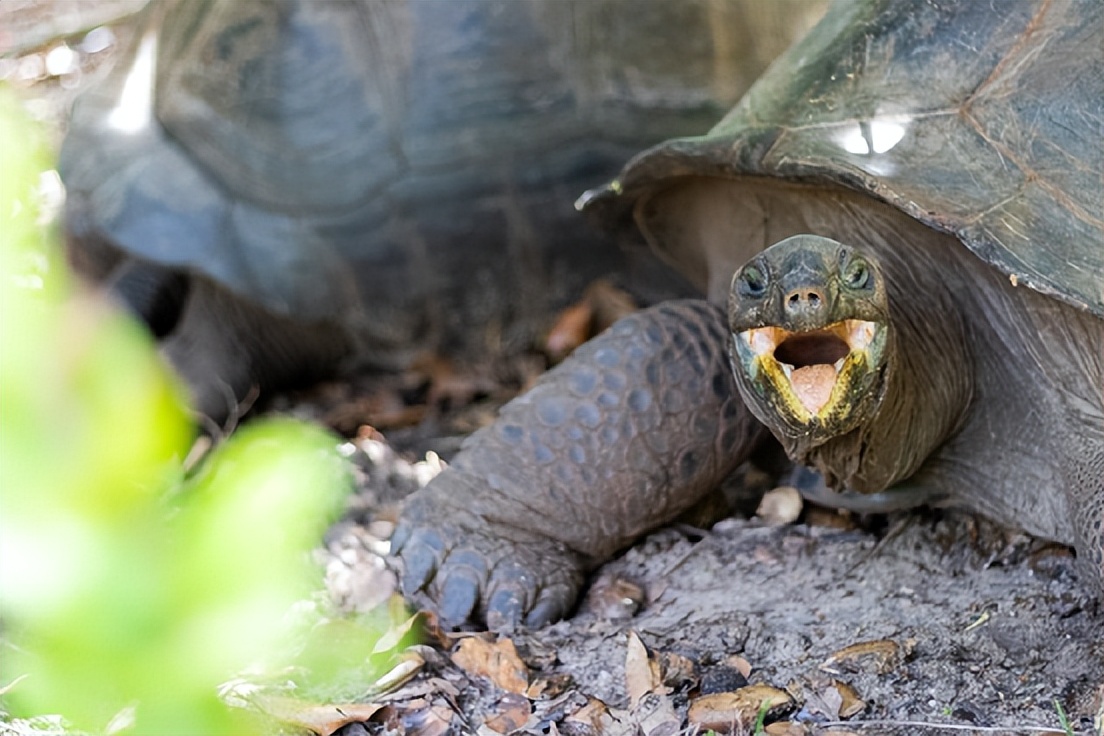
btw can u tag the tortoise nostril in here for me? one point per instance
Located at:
(804, 297)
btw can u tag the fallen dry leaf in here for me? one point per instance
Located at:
(434, 720)
(420, 689)
(510, 713)
(497, 661)
(434, 634)
(396, 632)
(410, 664)
(786, 728)
(571, 329)
(830, 518)
(609, 302)
(382, 408)
(726, 712)
(611, 722)
(877, 657)
(822, 701)
(548, 687)
(833, 700)
(447, 383)
(591, 715)
(850, 702)
(741, 664)
(676, 669)
(655, 714)
(321, 719)
(780, 506)
(642, 675)
(388, 716)
(602, 304)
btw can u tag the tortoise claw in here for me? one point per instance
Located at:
(421, 552)
(470, 573)
(459, 597)
(505, 611)
(547, 610)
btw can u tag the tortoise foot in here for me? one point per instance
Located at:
(467, 571)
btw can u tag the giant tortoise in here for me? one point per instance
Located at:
(275, 186)
(927, 327)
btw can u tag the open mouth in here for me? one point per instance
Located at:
(813, 372)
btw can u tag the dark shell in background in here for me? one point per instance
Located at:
(985, 120)
(325, 159)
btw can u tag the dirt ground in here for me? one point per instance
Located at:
(929, 622)
(935, 622)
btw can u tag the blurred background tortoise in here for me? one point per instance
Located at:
(279, 188)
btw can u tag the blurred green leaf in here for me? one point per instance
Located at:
(123, 582)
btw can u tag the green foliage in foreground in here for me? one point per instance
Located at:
(123, 581)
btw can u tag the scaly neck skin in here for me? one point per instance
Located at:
(928, 386)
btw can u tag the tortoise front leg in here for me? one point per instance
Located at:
(633, 429)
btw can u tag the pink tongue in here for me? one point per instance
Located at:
(813, 385)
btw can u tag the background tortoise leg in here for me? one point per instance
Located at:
(225, 347)
(154, 293)
(633, 429)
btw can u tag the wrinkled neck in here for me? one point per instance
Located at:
(929, 374)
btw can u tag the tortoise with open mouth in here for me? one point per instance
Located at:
(926, 325)
(813, 354)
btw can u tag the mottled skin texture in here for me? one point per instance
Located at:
(992, 400)
(626, 434)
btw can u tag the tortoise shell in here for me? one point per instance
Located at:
(978, 119)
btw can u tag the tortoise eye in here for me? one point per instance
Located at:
(856, 273)
(752, 282)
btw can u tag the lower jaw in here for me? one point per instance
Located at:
(855, 389)
(822, 399)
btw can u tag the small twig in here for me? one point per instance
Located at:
(198, 451)
(898, 528)
(942, 726)
(706, 536)
(238, 409)
(5, 689)
(214, 434)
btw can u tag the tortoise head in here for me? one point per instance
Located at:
(811, 337)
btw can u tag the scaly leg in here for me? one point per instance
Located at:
(633, 429)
